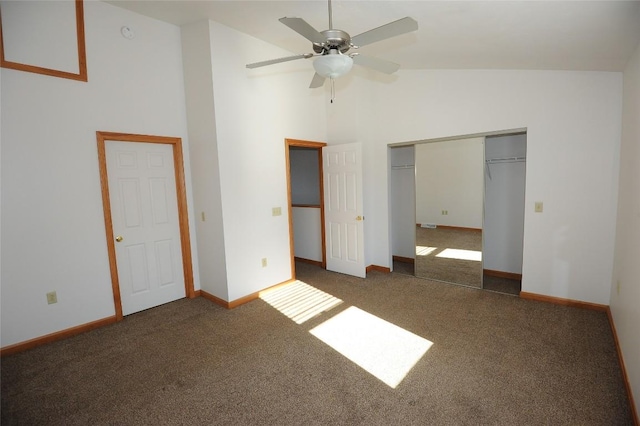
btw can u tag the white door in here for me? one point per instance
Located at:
(144, 211)
(344, 218)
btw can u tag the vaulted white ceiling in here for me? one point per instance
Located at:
(551, 35)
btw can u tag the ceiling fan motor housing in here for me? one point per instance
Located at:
(336, 40)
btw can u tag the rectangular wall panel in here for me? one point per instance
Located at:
(130, 190)
(159, 208)
(333, 188)
(138, 268)
(350, 192)
(352, 242)
(335, 251)
(165, 262)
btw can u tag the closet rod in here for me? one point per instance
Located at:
(406, 166)
(505, 160)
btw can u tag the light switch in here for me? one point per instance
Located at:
(538, 207)
(276, 211)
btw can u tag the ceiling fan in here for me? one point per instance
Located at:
(331, 46)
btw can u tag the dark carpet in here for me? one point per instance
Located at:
(495, 359)
(501, 285)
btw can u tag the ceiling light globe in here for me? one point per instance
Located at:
(333, 65)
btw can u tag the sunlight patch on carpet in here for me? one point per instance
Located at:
(424, 251)
(300, 301)
(461, 254)
(383, 349)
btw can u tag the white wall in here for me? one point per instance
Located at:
(255, 111)
(449, 178)
(203, 150)
(503, 228)
(625, 297)
(573, 137)
(53, 235)
(402, 187)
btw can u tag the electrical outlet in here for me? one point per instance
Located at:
(276, 211)
(618, 287)
(202, 215)
(264, 262)
(52, 298)
(538, 207)
(445, 212)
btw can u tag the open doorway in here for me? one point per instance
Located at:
(306, 204)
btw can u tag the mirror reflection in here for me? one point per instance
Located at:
(449, 208)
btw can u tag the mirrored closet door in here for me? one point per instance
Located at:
(449, 210)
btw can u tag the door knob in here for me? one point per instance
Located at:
(359, 218)
(119, 238)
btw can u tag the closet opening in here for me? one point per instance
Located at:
(457, 209)
(503, 227)
(306, 203)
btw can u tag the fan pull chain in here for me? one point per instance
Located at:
(333, 90)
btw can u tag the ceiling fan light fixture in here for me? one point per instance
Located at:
(333, 65)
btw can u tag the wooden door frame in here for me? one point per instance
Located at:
(183, 217)
(288, 143)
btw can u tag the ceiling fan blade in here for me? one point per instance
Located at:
(278, 60)
(301, 26)
(317, 81)
(377, 64)
(392, 29)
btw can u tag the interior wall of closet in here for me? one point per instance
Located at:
(505, 168)
(403, 202)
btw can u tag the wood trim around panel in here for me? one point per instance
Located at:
(82, 54)
(309, 261)
(289, 208)
(59, 335)
(623, 369)
(502, 274)
(404, 259)
(183, 216)
(317, 146)
(454, 228)
(322, 228)
(307, 206)
(563, 302)
(246, 299)
(382, 269)
(214, 299)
